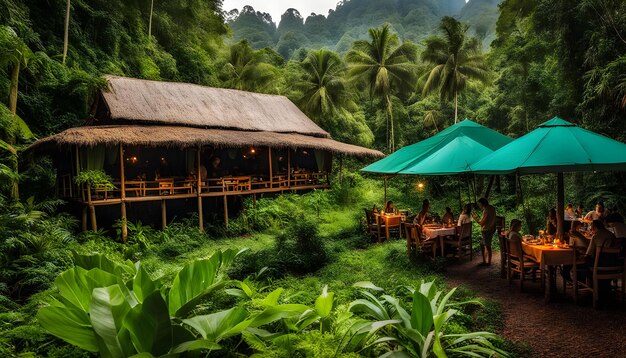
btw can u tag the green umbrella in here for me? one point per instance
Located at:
(451, 151)
(556, 146)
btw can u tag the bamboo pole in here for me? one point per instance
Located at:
(199, 189)
(84, 219)
(340, 169)
(123, 195)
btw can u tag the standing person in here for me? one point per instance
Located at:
(487, 228)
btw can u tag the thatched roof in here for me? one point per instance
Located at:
(135, 101)
(187, 137)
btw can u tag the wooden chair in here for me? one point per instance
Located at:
(520, 263)
(393, 226)
(166, 186)
(462, 241)
(605, 271)
(374, 228)
(415, 240)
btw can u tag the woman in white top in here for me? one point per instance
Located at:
(465, 217)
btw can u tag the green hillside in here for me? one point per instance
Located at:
(349, 21)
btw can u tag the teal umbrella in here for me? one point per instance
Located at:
(451, 151)
(556, 146)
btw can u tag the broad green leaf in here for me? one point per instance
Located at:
(217, 326)
(143, 285)
(421, 314)
(368, 285)
(150, 326)
(229, 255)
(70, 324)
(89, 262)
(194, 281)
(24, 131)
(272, 298)
(324, 303)
(275, 313)
(107, 313)
(73, 286)
(195, 345)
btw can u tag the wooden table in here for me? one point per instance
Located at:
(138, 186)
(438, 233)
(548, 257)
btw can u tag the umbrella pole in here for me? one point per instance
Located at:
(385, 203)
(560, 205)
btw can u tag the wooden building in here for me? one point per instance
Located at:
(154, 138)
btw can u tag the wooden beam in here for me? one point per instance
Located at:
(123, 195)
(163, 215)
(198, 192)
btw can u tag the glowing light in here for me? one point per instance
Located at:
(420, 186)
(252, 150)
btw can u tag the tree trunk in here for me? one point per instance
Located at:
(67, 30)
(15, 76)
(150, 19)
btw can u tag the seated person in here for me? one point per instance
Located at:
(601, 236)
(616, 222)
(422, 216)
(465, 216)
(576, 238)
(448, 216)
(551, 222)
(516, 227)
(215, 171)
(598, 214)
(570, 214)
(580, 211)
(390, 208)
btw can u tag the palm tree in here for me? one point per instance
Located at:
(245, 69)
(386, 67)
(456, 60)
(322, 88)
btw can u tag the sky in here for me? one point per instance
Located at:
(277, 7)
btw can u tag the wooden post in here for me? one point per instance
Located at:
(123, 195)
(269, 150)
(78, 187)
(225, 210)
(199, 189)
(288, 168)
(254, 200)
(92, 210)
(163, 214)
(560, 205)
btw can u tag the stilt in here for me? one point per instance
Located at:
(199, 192)
(200, 214)
(254, 200)
(123, 196)
(226, 210)
(163, 215)
(92, 210)
(84, 219)
(124, 222)
(288, 168)
(269, 150)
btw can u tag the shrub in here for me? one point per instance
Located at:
(300, 249)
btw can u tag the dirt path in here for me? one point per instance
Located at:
(558, 329)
